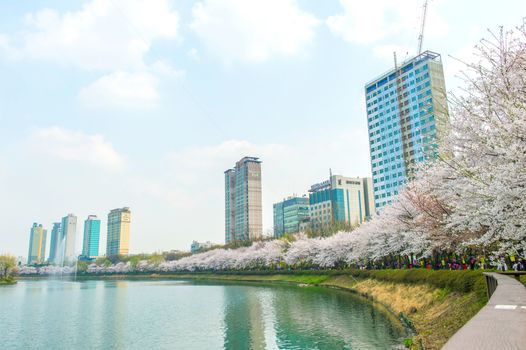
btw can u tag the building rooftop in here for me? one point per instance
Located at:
(249, 159)
(426, 55)
(120, 209)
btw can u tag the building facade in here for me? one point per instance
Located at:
(243, 208)
(196, 246)
(289, 214)
(406, 116)
(341, 199)
(118, 238)
(66, 251)
(90, 247)
(37, 245)
(53, 244)
(230, 205)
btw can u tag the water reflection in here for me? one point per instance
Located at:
(243, 319)
(112, 329)
(312, 318)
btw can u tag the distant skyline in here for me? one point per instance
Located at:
(145, 104)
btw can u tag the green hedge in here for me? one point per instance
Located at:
(464, 281)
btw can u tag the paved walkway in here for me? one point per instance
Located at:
(501, 324)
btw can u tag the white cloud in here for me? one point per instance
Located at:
(103, 35)
(368, 22)
(122, 90)
(192, 178)
(5, 47)
(193, 54)
(69, 145)
(164, 69)
(254, 31)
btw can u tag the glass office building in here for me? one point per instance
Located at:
(54, 244)
(406, 117)
(340, 199)
(289, 214)
(90, 247)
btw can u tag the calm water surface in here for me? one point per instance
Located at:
(188, 315)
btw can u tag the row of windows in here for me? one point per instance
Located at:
(386, 161)
(372, 111)
(385, 195)
(320, 205)
(413, 123)
(384, 203)
(320, 212)
(388, 185)
(384, 153)
(403, 88)
(385, 169)
(391, 96)
(389, 177)
(378, 91)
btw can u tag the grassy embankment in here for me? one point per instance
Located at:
(435, 304)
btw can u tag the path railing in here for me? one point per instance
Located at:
(501, 324)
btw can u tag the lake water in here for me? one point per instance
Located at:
(47, 314)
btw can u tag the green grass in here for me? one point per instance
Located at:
(460, 281)
(7, 280)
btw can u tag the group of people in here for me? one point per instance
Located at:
(452, 262)
(516, 264)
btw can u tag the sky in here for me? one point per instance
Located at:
(145, 103)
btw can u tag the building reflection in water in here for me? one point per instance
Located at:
(112, 330)
(248, 318)
(260, 318)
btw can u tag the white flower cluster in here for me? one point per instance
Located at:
(46, 270)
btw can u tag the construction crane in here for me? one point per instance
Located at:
(421, 36)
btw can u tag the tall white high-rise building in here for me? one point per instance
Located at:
(66, 247)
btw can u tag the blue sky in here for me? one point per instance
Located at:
(105, 104)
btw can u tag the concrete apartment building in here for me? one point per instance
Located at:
(37, 244)
(243, 208)
(66, 245)
(118, 235)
